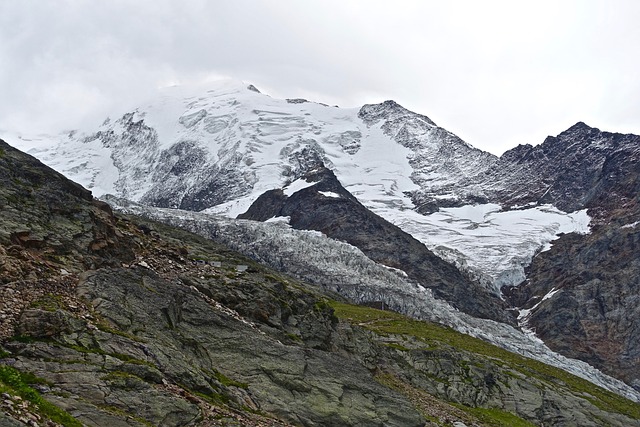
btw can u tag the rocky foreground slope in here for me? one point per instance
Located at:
(112, 320)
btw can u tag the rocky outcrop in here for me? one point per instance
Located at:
(582, 167)
(327, 207)
(583, 293)
(44, 212)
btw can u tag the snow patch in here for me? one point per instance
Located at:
(330, 194)
(524, 313)
(297, 185)
(233, 208)
(279, 220)
(396, 270)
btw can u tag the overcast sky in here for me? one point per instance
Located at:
(496, 73)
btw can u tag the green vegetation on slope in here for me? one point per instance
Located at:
(17, 383)
(439, 337)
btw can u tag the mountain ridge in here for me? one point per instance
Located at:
(228, 145)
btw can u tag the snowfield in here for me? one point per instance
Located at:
(491, 244)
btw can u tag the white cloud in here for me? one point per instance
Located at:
(497, 73)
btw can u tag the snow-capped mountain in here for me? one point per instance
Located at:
(514, 225)
(218, 149)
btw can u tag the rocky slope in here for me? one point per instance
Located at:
(109, 320)
(338, 268)
(582, 167)
(591, 311)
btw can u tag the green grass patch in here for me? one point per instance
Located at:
(102, 325)
(226, 381)
(397, 346)
(80, 349)
(120, 356)
(126, 381)
(496, 417)
(18, 383)
(215, 399)
(294, 337)
(84, 350)
(322, 305)
(26, 339)
(436, 336)
(49, 302)
(13, 199)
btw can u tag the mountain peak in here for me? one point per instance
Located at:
(580, 125)
(579, 128)
(388, 110)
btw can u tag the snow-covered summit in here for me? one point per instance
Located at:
(389, 110)
(219, 146)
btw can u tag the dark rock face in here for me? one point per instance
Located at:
(132, 146)
(388, 110)
(581, 167)
(170, 173)
(594, 314)
(217, 183)
(344, 218)
(43, 212)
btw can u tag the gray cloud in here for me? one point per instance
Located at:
(497, 73)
